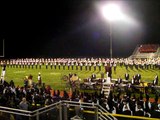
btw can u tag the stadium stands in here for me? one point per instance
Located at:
(146, 51)
(148, 48)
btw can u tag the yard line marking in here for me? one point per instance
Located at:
(53, 73)
(19, 72)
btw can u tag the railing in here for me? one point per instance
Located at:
(62, 110)
(105, 114)
(65, 110)
(135, 50)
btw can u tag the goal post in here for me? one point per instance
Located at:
(2, 47)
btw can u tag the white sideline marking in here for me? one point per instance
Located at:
(53, 73)
(19, 72)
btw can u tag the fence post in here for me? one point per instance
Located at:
(37, 116)
(30, 118)
(96, 113)
(60, 111)
(65, 112)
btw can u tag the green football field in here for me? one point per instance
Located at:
(53, 77)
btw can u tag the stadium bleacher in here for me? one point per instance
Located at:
(146, 51)
(148, 48)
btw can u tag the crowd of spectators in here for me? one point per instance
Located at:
(133, 104)
(34, 97)
(148, 48)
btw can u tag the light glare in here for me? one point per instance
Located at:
(112, 12)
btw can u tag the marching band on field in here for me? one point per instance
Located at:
(82, 63)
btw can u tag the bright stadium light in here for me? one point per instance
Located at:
(116, 12)
(112, 12)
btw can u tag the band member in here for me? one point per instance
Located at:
(114, 66)
(59, 65)
(138, 76)
(81, 65)
(46, 65)
(39, 79)
(29, 65)
(55, 65)
(72, 65)
(99, 66)
(90, 65)
(51, 65)
(76, 65)
(68, 65)
(119, 80)
(86, 65)
(93, 76)
(132, 81)
(26, 82)
(126, 76)
(155, 81)
(64, 64)
(108, 69)
(94, 66)
(3, 69)
(40, 64)
(32, 65)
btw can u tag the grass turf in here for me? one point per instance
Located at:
(53, 77)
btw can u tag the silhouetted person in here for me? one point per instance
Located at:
(108, 69)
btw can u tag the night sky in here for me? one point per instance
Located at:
(75, 28)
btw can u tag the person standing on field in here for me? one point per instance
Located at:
(39, 79)
(3, 69)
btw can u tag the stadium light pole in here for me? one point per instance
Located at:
(112, 13)
(110, 37)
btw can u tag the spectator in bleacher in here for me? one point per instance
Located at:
(147, 104)
(26, 81)
(23, 104)
(2, 81)
(139, 110)
(48, 100)
(156, 112)
(11, 83)
(126, 110)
